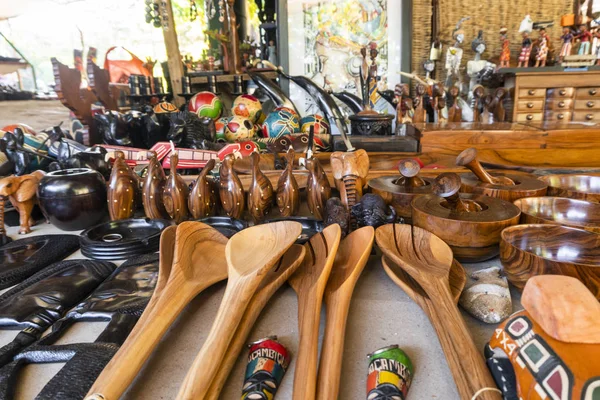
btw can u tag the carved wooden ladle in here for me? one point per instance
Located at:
(427, 261)
(198, 261)
(275, 278)
(352, 256)
(468, 158)
(250, 254)
(309, 283)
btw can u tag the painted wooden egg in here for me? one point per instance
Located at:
(165, 107)
(282, 121)
(320, 123)
(239, 129)
(220, 125)
(247, 106)
(206, 104)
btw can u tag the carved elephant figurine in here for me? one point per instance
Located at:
(21, 191)
(350, 170)
(371, 211)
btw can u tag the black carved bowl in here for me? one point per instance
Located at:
(226, 225)
(73, 199)
(310, 227)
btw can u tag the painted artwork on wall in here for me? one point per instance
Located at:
(325, 39)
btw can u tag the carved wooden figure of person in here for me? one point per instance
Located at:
(454, 112)
(420, 114)
(505, 52)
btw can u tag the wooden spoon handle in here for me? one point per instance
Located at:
(466, 363)
(200, 375)
(305, 375)
(125, 365)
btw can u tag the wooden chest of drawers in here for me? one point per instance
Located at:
(555, 96)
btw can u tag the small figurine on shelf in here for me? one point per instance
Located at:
(272, 53)
(476, 67)
(542, 50)
(505, 54)
(567, 39)
(525, 30)
(585, 37)
(596, 44)
(454, 53)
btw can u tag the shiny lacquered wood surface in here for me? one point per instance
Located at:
(582, 187)
(560, 211)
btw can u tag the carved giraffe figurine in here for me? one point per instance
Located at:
(288, 192)
(231, 191)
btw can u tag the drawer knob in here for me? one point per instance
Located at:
(529, 105)
(562, 92)
(532, 92)
(589, 117)
(561, 104)
(560, 116)
(530, 117)
(592, 92)
(590, 104)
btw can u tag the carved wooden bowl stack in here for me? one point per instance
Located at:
(582, 187)
(400, 191)
(560, 211)
(469, 224)
(509, 187)
(530, 250)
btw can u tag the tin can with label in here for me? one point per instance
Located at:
(267, 362)
(390, 374)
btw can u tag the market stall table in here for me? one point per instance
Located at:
(380, 315)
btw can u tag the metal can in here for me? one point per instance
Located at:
(267, 362)
(390, 374)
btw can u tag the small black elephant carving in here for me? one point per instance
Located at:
(371, 211)
(190, 131)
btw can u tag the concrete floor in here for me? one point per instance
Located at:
(39, 114)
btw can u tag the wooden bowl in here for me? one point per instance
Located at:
(472, 236)
(541, 249)
(560, 211)
(525, 186)
(582, 187)
(398, 196)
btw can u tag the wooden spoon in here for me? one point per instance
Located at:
(352, 256)
(427, 260)
(198, 262)
(250, 254)
(275, 278)
(309, 284)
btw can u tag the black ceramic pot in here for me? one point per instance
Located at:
(73, 199)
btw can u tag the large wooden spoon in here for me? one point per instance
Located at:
(352, 256)
(250, 254)
(198, 262)
(427, 261)
(275, 278)
(309, 284)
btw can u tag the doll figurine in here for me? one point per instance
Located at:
(585, 37)
(596, 44)
(525, 50)
(567, 39)
(505, 54)
(542, 51)
(455, 53)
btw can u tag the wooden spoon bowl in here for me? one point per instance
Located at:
(560, 211)
(531, 250)
(472, 236)
(582, 187)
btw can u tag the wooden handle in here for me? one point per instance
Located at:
(468, 158)
(129, 360)
(305, 375)
(447, 185)
(466, 363)
(409, 170)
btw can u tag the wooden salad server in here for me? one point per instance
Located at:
(468, 158)
(198, 262)
(427, 261)
(288, 192)
(250, 254)
(203, 197)
(152, 189)
(309, 283)
(260, 192)
(175, 193)
(352, 256)
(274, 279)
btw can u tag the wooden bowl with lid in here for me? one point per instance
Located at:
(560, 211)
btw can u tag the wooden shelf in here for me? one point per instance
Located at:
(230, 77)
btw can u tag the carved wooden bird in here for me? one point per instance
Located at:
(260, 193)
(122, 190)
(288, 193)
(230, 189)
(318, 188)
(175, 193)
(203, 198)
(152, 189)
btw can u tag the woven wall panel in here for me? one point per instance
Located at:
(421, 35)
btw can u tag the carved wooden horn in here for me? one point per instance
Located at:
(350, 170)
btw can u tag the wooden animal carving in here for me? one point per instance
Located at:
(21, 191)
(260, 193)
(350, 170)
(487, 117)
(190, 131)
(231, 191)
(152, 189)
(317, 187)
(288, 193)
(203, 198)
(175, 194)
(122, 190)
(498, 105)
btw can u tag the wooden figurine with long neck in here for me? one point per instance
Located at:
(152, 189)
(203, 198)
(288, 193)
(455, 112)
(122, 189)
(260, 193)
(230, 189)
(419, 104)
(317, 187)
(175, 194)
